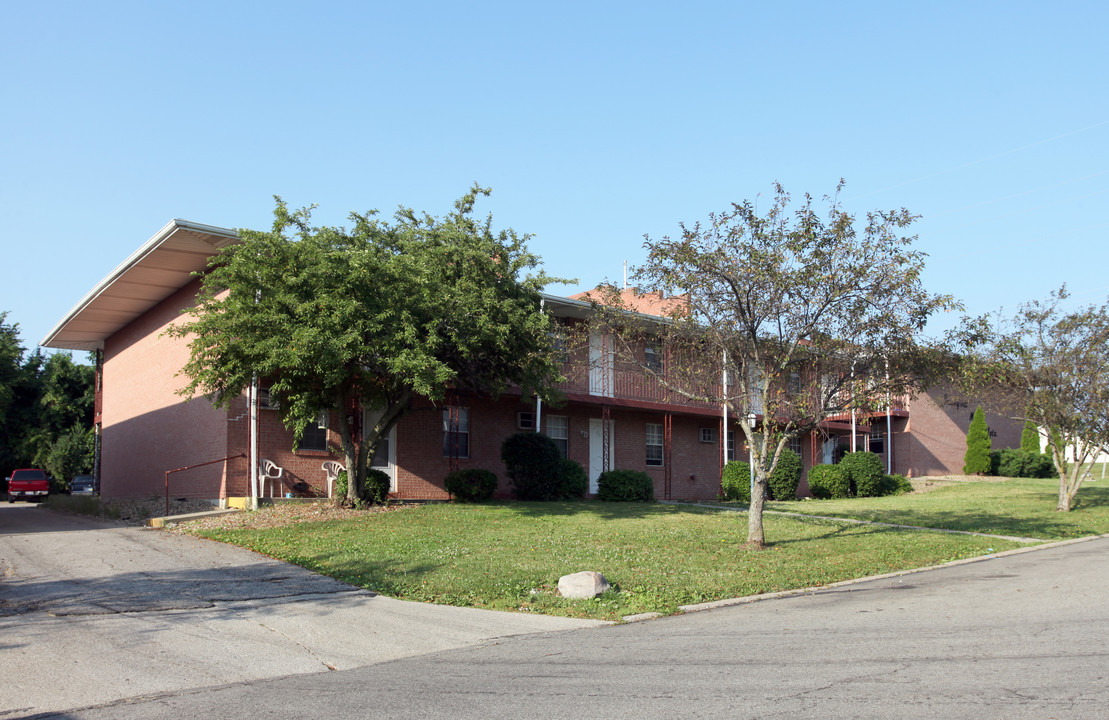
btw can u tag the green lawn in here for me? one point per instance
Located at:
(510, 555)
(1020, 507)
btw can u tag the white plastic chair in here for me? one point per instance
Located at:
(269, 470)
(332, 468)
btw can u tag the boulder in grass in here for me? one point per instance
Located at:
(585, 584)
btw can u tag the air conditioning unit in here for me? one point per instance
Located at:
(708, 435)
(525, 420)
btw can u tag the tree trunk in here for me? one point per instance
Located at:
(756, 539)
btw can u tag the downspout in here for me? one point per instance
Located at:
(889, 423)
(538, 398)
(253, 400)
(724, 380)
(852, 407)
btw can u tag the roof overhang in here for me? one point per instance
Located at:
(161, 267)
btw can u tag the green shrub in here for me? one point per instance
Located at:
(995, 462)
(735, 482)
(472, 485)
(1046, 467)
(786, 477)
(531, 461)
(376, 491)
(864, 472)
(829, 482)
(573, 479)
(977, 458)
(1022, 464)
(625, 486)
(894, 485)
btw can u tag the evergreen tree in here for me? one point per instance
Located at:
(977, 459)
(1030, 438)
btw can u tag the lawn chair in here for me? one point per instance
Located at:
(332, 468)
(269, 470)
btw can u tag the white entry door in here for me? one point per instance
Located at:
(829, 450)
(596, 450)
(385, 459)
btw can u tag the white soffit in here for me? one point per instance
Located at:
(161, 267)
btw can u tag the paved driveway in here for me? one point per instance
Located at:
(92, 612)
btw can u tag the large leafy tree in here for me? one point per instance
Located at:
(810, 315)
(372, 317)
(1046, 365)
(46, 406)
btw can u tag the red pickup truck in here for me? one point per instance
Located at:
(29, 485)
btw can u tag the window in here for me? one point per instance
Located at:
(652, 358)
(877, 441)
(315, 435)
(558, 429)
(731, 444)
(707, 435)
(456, 432)
(265, 402)
(794, 383)
(794, 444)
(525, 420)
(654, 445)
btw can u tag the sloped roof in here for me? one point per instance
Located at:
(162, 266)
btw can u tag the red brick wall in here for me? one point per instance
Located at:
(148, 428)
(936, 438)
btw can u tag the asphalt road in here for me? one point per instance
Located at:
(1019, 636)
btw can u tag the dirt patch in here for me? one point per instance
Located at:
(281, 514)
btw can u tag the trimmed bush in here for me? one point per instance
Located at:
(735, 482)
(472, 485)
(531, 461)
(829, 482)
(995, 462)
(377, 486)
(864, 472)
(977, 458)
(573, 479)
(786, 477)
(376, 490)
(625, 486)
(1021, 464)
(894, 485)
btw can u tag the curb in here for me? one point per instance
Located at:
(855, 581)
(160, 522)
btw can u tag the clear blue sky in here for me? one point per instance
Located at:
(594, 123)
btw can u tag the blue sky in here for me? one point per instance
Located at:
(593, 123)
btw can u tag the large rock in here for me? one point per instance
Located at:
(585, 584)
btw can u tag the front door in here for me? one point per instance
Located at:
(829, 450)
(385, 459)
(596, 450)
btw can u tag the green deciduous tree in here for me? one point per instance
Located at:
(810, 313)
(976, 461)
(1047, 365)
(372, 316)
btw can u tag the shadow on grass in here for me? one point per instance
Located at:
(594, 508)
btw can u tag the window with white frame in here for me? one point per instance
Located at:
(456, 432)
(315, 435)
(794, 383)
(794, 444)
(652, 358)
(731, 445)
(877, 441)
(654, 445)
(558, 429)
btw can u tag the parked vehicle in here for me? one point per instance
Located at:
(28, 484)
(82, 485)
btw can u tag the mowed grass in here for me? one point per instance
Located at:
(1017, 507)
(509, 556)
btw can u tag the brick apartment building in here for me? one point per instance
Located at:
(614, 409)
